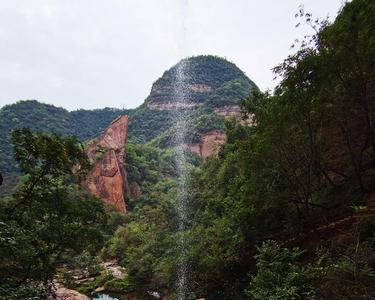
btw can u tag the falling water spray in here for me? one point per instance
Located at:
(181, 95)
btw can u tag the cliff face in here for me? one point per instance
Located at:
(107, 178)
(234, 111)
(209, 144)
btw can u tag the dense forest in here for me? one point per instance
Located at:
(284, 211)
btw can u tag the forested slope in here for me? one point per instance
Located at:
(303, 176)
(84, 124)
(284, 211)
(228, 85)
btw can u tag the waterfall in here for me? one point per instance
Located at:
(181, 95)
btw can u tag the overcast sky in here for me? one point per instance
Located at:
(107, 53)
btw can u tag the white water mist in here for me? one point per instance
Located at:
(181, 96)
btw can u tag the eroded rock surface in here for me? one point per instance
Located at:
(107, 178)
(113, 267)
(171, 105)
(200, 88)
(234, 111)
(209, 144)
(67, 294)
(228, 111)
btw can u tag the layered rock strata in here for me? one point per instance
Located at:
(234, 111)
(171, 105)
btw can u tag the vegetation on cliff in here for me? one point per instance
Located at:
(212, 81)
(211, 78)
(285, 211)
(307, 163)
(146, 124)
(84, 124)
(230, 86)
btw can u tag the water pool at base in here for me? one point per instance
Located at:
(104, 296)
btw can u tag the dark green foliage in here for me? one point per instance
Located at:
(48, 213)
(145, 163)
(110, 283)
(152, 170)
(146, 248)
(89, 123)
(228, 83)
(349, 269)
(146, 242)
(146, 245)
(24, 292)
(279, 275)
(232, 212)
(230, 93)
(198, 123)
(146, 124)
(340, 271)
(84, 124)
(271, 180)
(276, 180)
(36, 116)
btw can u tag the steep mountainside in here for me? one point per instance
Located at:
(215, 85)
(303, 176)
(84, 124)
(37, 116)
(209, 80)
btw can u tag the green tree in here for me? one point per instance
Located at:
(49, 213)
(279, 276)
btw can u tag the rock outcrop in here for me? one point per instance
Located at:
(228, 111)
(107, 178)
(200, 88)
(67, 294)
(234, 111)
(209, 144)
(170, 105)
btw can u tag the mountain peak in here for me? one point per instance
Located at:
(205, 79)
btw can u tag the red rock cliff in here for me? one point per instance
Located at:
(209, 144)
(107, 178)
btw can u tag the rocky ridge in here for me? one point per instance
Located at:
(107, 179)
